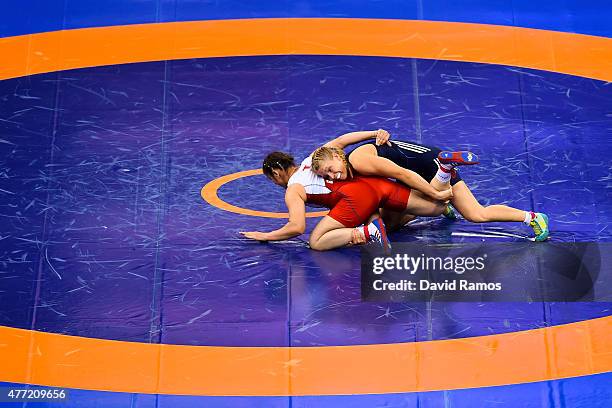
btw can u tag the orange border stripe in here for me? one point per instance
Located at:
(209, 194)
(570, 350)
(576, 349)
(574, 54)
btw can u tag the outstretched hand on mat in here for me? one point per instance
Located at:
(259, 236)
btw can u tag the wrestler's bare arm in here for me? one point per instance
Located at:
(347, 139)
(295, 199)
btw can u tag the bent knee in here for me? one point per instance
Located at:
(313, 243)
(476, 215)
(316, 244)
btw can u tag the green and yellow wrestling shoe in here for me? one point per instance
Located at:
(540, 226)
(449, 212)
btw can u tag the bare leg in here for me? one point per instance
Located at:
(419, 205)
(464, 201)
(330, 234)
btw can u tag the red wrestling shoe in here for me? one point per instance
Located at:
(458, 158)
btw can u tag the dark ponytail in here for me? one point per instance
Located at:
(278, 161)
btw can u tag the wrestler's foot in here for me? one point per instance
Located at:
(539, 223)
(380, 235)
(449, 212)
(454, 159)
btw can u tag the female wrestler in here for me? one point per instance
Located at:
(392, 160)
(353, 202)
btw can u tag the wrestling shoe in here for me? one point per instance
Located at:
(457, 158)
(449, 212)
(540, 226)
(380, 235)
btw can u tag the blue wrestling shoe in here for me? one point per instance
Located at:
(540, 226)
(458, 158)
(380, 236)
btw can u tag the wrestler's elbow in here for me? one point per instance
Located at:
(298, 228)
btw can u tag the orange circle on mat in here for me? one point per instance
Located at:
(210, 190)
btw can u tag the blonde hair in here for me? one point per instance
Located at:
(327, 153)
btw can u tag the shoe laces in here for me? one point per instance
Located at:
(376, 236)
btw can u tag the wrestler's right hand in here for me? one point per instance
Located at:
(256, 235)
(382, 137)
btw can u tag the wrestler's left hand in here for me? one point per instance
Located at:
(259, 236)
